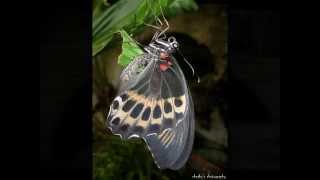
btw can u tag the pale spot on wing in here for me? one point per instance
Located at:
(156, 118)
(143, 124)
(149, 103)
(168, 138)
(168, 142)
(118, 112)
(156, 121)
(166, 109)
(182, 107)
(171, 113)
(129, 120)
(163, 134)
(126, 117)
(134, 95)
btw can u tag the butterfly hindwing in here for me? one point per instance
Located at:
(171, 149)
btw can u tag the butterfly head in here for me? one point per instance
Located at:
(169, 46)
(173, 44)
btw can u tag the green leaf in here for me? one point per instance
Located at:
(178, 6)
(116, 17)
(129, 49)
(98, 7)
(129, 15)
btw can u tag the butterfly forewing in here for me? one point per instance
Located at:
(156, 106)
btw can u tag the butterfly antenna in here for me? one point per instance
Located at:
(158, 24)
(156, 19)
(135, 41)
(190, 66)
(165, 20)
(153, 26)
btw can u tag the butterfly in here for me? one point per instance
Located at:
(155, 104)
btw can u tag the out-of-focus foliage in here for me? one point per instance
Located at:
(129, 15)
(116, 159)
(178, 6)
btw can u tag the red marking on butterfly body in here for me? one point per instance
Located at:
(167, 61)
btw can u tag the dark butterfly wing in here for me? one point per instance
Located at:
(157, 107)
(171, 149)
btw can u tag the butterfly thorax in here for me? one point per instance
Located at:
(161, 50)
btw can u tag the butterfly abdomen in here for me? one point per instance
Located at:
(165, 61)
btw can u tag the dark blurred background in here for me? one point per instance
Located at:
(253, 90)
